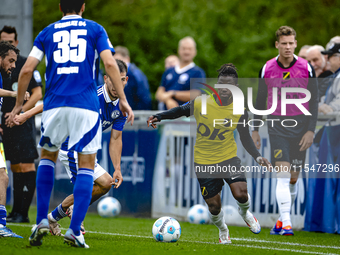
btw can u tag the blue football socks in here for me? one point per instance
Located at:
(3, 215)
(45, 180)
(82, 193)
(58, 213)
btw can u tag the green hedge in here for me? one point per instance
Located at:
(241, 32)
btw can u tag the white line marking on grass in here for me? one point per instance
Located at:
(235, 238)
(281, 249)
(285, 243)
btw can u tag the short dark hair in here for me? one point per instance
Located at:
(5, 47)
(70, 6)
(122, 66)
(228, 70)
(9, 30)
(285, 30)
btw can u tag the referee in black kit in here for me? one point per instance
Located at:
(20, 141)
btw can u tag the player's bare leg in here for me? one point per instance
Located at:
(101, 186)
(240, 193)
(3, 185)
(4, 231)
(216, 216)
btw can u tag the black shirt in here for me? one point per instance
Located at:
(305, 123)
(11, 83)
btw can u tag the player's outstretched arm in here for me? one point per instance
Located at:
(24, 79)
(174, 113)
(112, 71)
(115, 150)
(22, 118)
(9, 93)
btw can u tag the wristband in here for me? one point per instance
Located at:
(258, 159)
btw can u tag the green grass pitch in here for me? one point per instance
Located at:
(124, 235)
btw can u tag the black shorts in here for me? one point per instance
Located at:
(20, 143)
(210, 187)
(288, 150)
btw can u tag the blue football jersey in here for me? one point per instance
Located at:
(1, 98)
(71, 47)
(110, 114)
(179, 79)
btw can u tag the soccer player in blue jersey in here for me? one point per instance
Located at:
(8, 57)
(71, 107)
(110, 115)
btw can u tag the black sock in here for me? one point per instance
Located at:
(28, 189)
(17, 192)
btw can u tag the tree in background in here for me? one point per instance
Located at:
(241, 32)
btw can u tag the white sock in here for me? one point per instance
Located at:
(219, 221)
(243, 208)
(283, 198)
(293, 192)
(50, 217)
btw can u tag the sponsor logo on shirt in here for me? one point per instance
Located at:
(183, 78)
(115, 114)
(169, 76)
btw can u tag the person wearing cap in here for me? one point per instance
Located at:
(319, 63)
(330, 102)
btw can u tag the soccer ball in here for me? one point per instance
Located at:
(166, 229)
(108, 207)
(198, 214)
(231, 214)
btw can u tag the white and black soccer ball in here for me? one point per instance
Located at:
(166, 229)
(198, 214)
(108, 207)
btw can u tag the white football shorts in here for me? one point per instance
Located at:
(69, 159)
(2, 158)
(83, 127)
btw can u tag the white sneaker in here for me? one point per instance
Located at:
(69, 213)
(252, 222)
(38, 232)
(54, 226)
(224, 237)
(73, 240)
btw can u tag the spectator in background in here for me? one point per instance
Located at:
(20, 142)
(175, 85)
(330, 102)
(137, 89)
(319, 63)
(303, 51)
(335, 39)
(171, 61)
